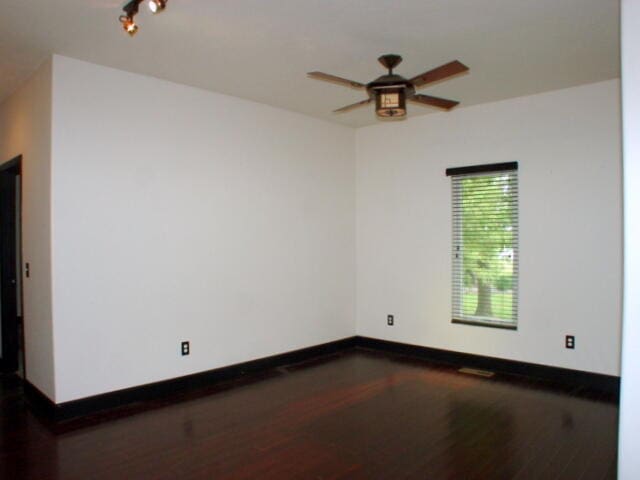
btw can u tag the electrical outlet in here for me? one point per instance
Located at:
(185, 348)
(390, 320)
(570, 341)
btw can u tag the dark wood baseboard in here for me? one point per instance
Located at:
(605, 383)
(158, 390)
(154, 391)
(38, 401)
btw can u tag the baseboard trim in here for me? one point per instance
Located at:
(608, 384)
(38, 401)
(158, 390)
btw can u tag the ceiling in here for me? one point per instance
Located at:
(261, 49)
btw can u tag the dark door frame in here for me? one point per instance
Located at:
(9, 271)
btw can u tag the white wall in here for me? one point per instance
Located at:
(181, 214)
(629, 460)
(567, 144)
(25, 129)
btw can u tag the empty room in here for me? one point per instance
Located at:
(319, 239)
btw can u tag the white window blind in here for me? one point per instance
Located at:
(485, 244)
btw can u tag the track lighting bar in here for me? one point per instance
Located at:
(132, 8)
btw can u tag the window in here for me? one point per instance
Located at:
(485, 244)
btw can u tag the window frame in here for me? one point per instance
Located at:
(457, 280)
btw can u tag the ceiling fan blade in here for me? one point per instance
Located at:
(352, 106)
(333, 79)
(439, 73)
(434, 101)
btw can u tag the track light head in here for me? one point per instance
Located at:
(157, 6)
(129, 25)
(131, 8)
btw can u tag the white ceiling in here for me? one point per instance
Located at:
(261, 49)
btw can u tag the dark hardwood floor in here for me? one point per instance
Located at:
(354, 415)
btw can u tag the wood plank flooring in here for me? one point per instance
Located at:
(357, 414)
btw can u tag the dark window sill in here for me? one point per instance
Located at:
(479, 323)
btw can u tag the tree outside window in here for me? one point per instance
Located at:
(485, 211)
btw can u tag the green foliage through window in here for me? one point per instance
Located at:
(485, 228)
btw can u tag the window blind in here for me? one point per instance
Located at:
(485, 245)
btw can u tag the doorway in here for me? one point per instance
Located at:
(11, 328)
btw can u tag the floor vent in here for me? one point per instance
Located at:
(473, 371)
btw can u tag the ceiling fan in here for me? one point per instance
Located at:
(391, 91)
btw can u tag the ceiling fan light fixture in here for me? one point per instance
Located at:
(391, 102)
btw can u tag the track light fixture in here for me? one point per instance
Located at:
(157, 6)
(129, 25)
(131, 10)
